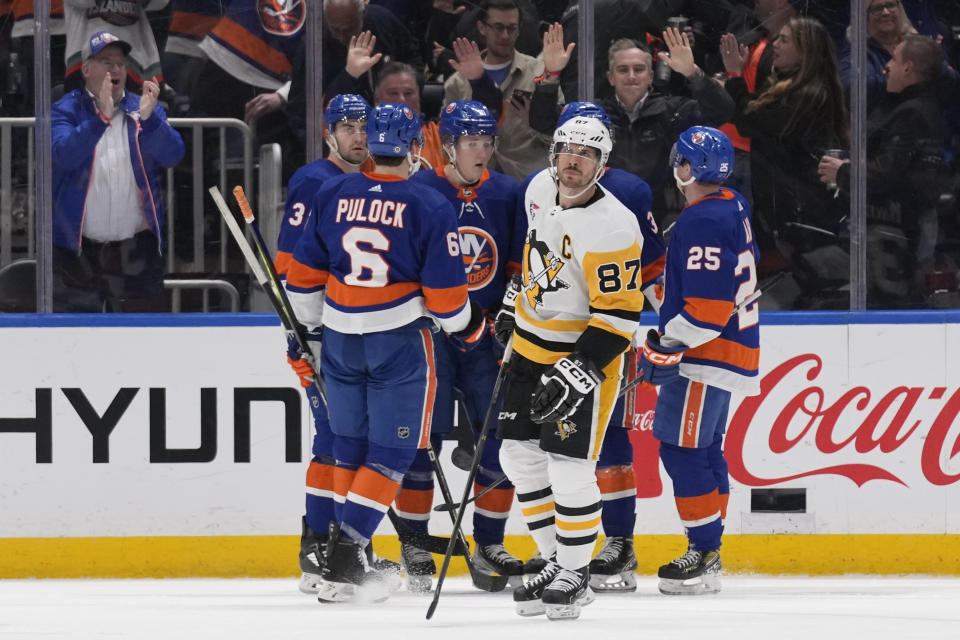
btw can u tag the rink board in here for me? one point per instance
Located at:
(177, 446)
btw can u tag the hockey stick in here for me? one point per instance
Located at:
(277, 289)
(481, 580)
(450, 506)
(421, 539)
(478, 451)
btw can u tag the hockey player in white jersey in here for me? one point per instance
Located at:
(572, 323)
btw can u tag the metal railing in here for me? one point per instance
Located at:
(205, 286)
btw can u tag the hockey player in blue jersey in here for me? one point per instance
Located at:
(345, 121)
(614, 565)
(376, 268)
(707, 347)
(491, 242)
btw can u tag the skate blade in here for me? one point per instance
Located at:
(419, 584)
(692, 587)
(335, 592)
(309, 583)
(531, 608)
(617, 582)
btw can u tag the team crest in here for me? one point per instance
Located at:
(282, 17)
(541, 267)
(480, 257)
(697, 137)
(565, 429)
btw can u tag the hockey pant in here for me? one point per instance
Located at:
(559, 500)
(689, 422)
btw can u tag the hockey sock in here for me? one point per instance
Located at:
(696, 494)
(415, 499)
(718, 464)
(373, 490)
(618, 490)
(349, 454)
(492, 509)
(320, 492)
(526, 465)
(578, 509)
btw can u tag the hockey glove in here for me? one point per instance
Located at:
(303, 363)
(506, 320)
(469, 337)
(659, 364)
(563, 387)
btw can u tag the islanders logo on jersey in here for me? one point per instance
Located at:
(540, 269)
(282, 17)
(480, 256)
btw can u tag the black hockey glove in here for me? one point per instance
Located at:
(469, 337)
(563, 387)
(660, 364)
(506, 320)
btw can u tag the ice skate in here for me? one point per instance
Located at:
(419, 567)
(494, 559)
(613, 568)
(567, 593)
(312, 548)
(693, 573)
(346, 576)
(388, 570)
(534, 565)
(527, 597)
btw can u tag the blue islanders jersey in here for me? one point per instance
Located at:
(635, 193)
(378, 253)
(711, 268)
(304, 184)
(491, 232)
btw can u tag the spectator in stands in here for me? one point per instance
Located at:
(128, 20)
(503, 79)
(790, 123)
(754, 36)
(887, 23)
(345, 21)
(108, 150)
(397, 83)
(906, 169)
(645, 122)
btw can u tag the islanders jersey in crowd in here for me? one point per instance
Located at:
(491, 230)
(23, 18)
(711, 267)
(256, 40)
(304, 184)
(581, 268)
(190, 22)
(381, 252)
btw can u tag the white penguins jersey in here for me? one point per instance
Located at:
(581, 268)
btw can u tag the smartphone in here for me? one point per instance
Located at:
(521, 95)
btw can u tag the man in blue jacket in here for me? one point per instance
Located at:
(108, 150)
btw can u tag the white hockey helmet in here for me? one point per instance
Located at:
(588, 132)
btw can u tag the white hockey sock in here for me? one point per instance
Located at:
(525, 464)
(578, 509)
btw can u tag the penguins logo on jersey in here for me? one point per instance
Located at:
(282, 17)
(542, 267)
(565, 429)
(479, 251)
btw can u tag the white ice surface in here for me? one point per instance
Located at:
(749, 608)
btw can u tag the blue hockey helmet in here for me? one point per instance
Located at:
(345, 106)
(391, 129)
(584, 110)
(709, 152)
(467, 118)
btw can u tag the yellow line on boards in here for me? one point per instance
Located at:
(276, 556)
